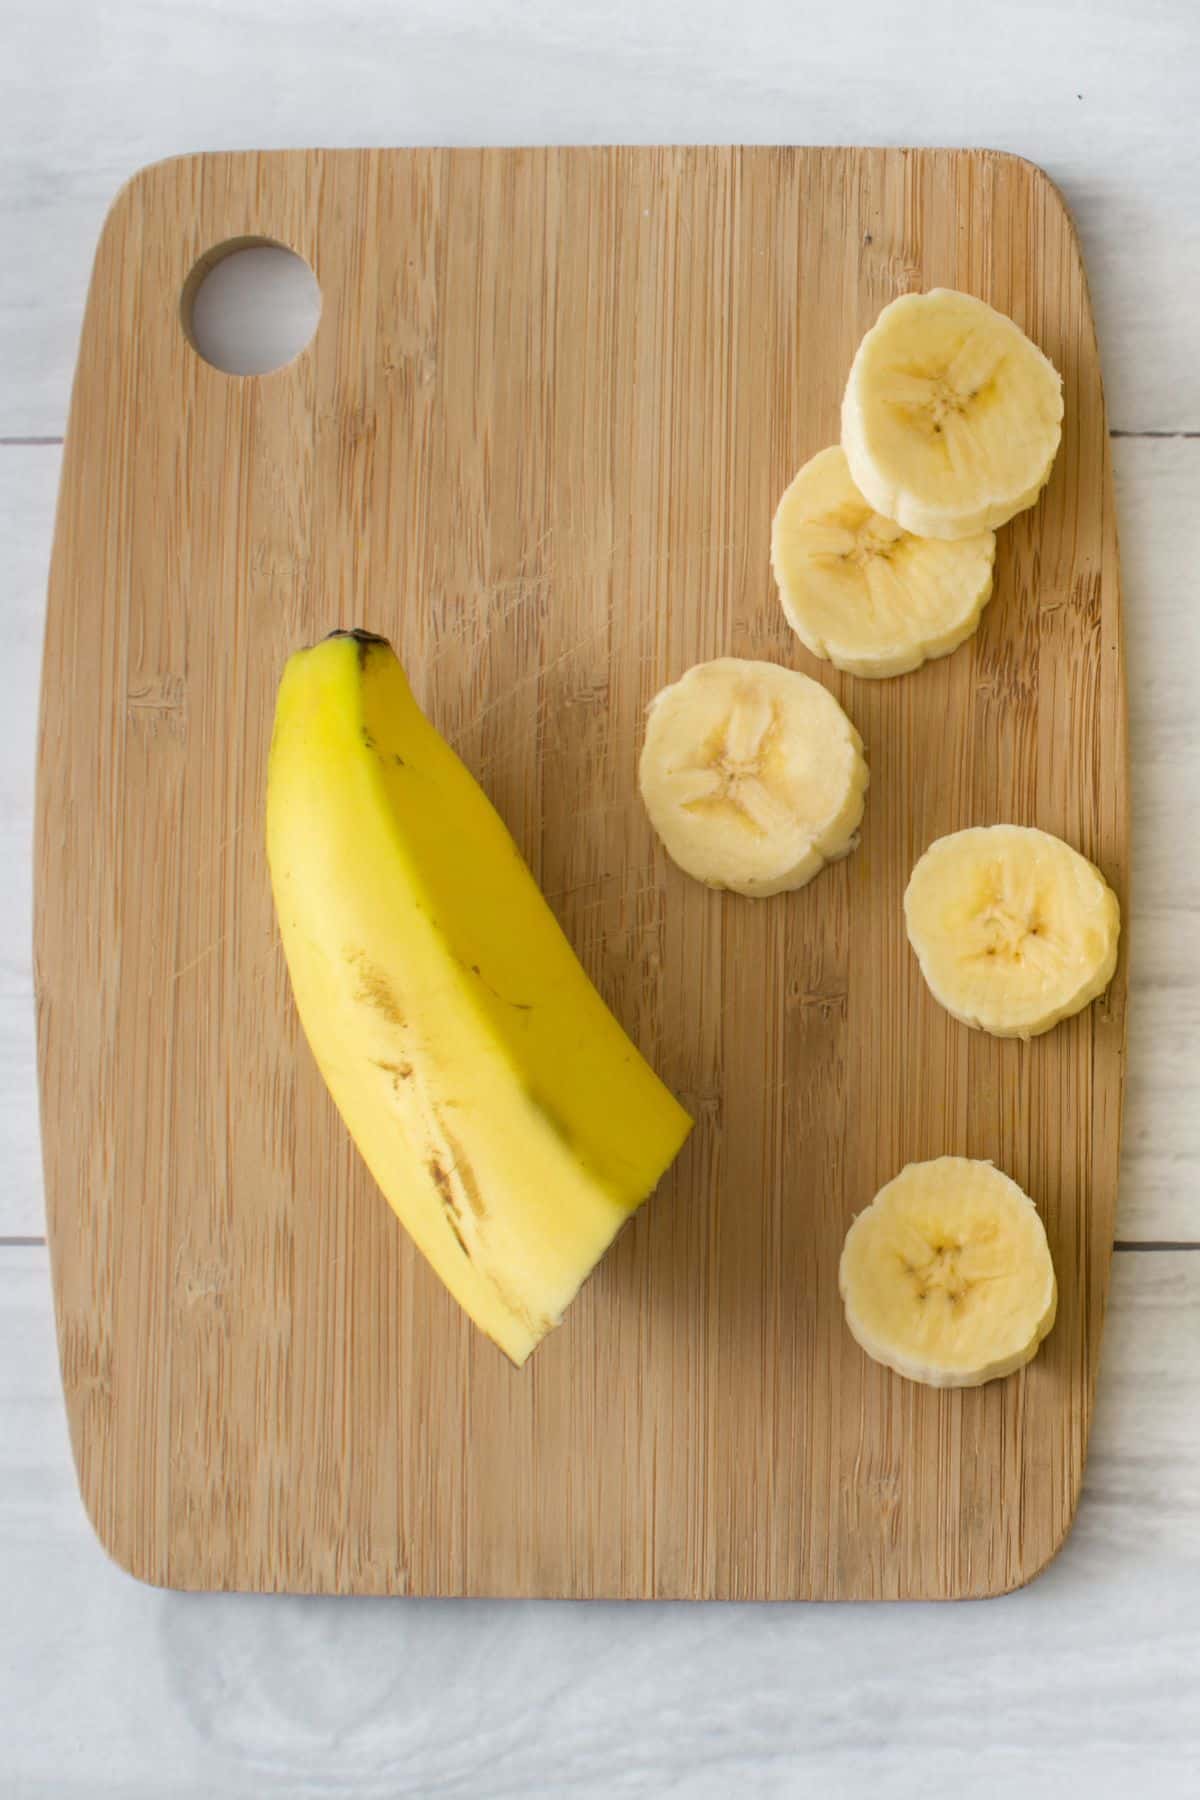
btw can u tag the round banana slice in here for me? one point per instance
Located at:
(752, 775)
(951, 417)
(1013, 929)
(946, 1277)
(861, 591)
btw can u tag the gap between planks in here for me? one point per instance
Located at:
(1139, 1244)
(33, 443)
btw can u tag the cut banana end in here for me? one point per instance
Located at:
(946, 1277)
(951, 418)
(752, 775)
(859, 590)
(1013, 929)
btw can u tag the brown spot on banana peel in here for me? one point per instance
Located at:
(461, 1172)
(464, 1173)
(374, 988)
(460, 1169)
(398, 1071)
(441, 1181)
(536, 1327)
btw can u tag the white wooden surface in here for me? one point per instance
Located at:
(1092, 1676)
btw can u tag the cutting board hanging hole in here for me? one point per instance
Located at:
(250, 306)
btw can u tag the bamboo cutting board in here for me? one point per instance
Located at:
(537, 441)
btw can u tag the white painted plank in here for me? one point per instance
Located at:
(1158, 502)
(1087, 1677)
(1158, 494)
(28, 486)
(1103, 93)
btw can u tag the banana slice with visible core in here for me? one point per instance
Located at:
(1013, 929)
(862, 592)
(951, 418)
(946, 1277)
(752, 775)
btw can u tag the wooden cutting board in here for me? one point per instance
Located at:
(537, 440)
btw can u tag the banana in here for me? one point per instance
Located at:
(1013, 929)
(752, 775)
(951, 417)
(506, 1116)
(861, 591)
(946, 1277)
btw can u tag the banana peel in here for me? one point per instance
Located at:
(508, 1119)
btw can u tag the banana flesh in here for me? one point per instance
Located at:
(752, 775)
(859, 590)
(1013, 929)
(951, 417)
(947, 1276)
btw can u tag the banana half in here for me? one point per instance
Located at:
(506, 1116)
(859, 590)
(951, 417)
(946, 1277)
(752, 775)
(1013, 929)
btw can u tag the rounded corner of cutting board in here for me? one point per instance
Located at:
(142, 192)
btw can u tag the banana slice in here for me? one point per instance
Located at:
(1013, 929)
(752, 775)
(861, 591)
(946, 1277)
(951, 417)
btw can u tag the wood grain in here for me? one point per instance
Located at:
(537, 440)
